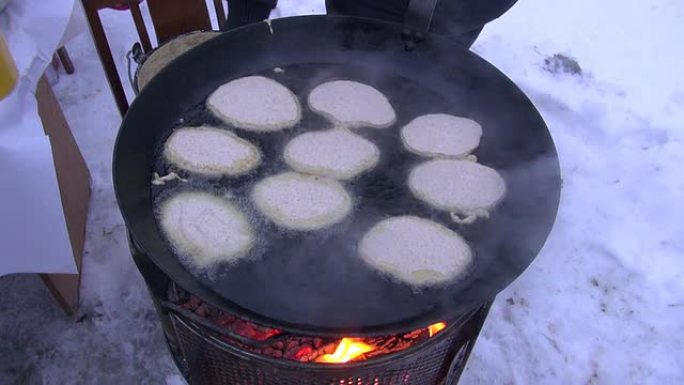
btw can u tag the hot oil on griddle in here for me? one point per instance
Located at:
(321, 268)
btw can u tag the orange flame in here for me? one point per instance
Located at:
(347, 350)
(436, 328)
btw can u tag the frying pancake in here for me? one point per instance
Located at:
(336, 153)
(301, 202)
(459, 186)
(352, 104)
(441, 135)
(255, 103)
(205, 229)
(211, 151)
(415, 251)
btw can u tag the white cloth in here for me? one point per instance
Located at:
(77, 23)
(33, 234)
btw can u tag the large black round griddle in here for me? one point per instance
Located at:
(313, 282)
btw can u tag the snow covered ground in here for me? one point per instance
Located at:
(602, 304)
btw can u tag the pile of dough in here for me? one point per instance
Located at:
(352, 104)
(167, 52)
(205, 228)
(211, 151)
(335, 153)
(458, 186)
(255, 103)
(301, 202)
(441, 135)
(415, 250)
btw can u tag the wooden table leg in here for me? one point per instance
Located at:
(74, 186)
(64, 289)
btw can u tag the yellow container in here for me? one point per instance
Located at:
(8, 70)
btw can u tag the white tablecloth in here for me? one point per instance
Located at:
(33, 234)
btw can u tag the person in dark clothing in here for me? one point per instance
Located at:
(241, 12)
(461, 19)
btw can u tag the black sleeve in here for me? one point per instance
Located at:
(459, 16)
(388, 10)
(450, 16)
(241, 12)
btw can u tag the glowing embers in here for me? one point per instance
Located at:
(278, 344)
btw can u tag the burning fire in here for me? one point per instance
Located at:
(351, 348)
(347, 350)
(436, 328)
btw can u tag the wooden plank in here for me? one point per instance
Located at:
(174, 17)
(99, 4)
(64, 289)
(140, 25)
(220, 13)
(73, 178)
(104, 52)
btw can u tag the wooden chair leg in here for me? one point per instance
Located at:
(140, 25)
(66, 60)
(105, 54)
(220, 13)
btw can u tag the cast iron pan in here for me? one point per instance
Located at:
(314, 283)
